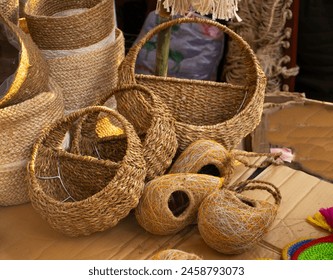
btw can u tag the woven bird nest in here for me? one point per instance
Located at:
(232, 223)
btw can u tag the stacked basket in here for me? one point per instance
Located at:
(81, 44)
(28, 101)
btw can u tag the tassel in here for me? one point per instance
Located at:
(319, 220)
(219, 9)
(328, 215)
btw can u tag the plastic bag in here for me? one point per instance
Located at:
(195, 50)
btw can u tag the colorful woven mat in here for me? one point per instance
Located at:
(289, 250)
(317, 249)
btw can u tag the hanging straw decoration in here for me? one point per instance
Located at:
(219, 9)
(174, 254)
(170, 202)
(232, 223)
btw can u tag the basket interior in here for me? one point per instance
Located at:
(199, 102)
(68, 179)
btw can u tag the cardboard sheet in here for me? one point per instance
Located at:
(24, 235)
(305, 126)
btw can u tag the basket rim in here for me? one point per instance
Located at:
(56, 18)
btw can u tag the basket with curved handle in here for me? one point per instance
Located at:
(159, 141)
(78, 194)
(203, 109)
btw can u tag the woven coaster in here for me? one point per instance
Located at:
(317, 249)
(290, 248)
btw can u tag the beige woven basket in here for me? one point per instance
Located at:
(20, 125)
(202, 109)
(54, 32)
(32, 74)
(87, 76)
(10, 10)
(159, 141)
(77, 194)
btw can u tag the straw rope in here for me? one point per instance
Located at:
(73, 31)
(80, 195)
(202, 109)
(263, 26)
(232, 223)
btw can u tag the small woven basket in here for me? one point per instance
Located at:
(77, 194)
(32, 74)
(54, 32)
(10, 10)
(87, 76)
(159, 141)
(203, 109)
(20, 125)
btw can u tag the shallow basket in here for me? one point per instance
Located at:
(20, 124)
(79, 195)
(203, 109)
(76, 30)
(32, 74)
(159, 142)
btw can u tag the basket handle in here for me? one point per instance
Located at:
(52, 136)
(258, 185)
(87, 124)
(127, 67)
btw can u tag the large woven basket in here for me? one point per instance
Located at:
(202, 109)
(159, 141)
(10, 9)
(77, 194)
(56, 32)
(32, 74)
(88, 75)
(20, 125)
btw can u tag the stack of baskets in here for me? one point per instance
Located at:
(81, 181)
(29, 100)
(82, 46)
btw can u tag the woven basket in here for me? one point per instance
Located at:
(159, 141)
(10, 10)
(79, 195)
(174, 254)
(20, 125)
(32, 74)
(87, 76)
(71, 31)
(202, 109)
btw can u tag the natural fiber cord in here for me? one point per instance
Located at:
(80, 195)
(208, 110)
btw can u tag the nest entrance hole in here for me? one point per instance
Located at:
(178, 202)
